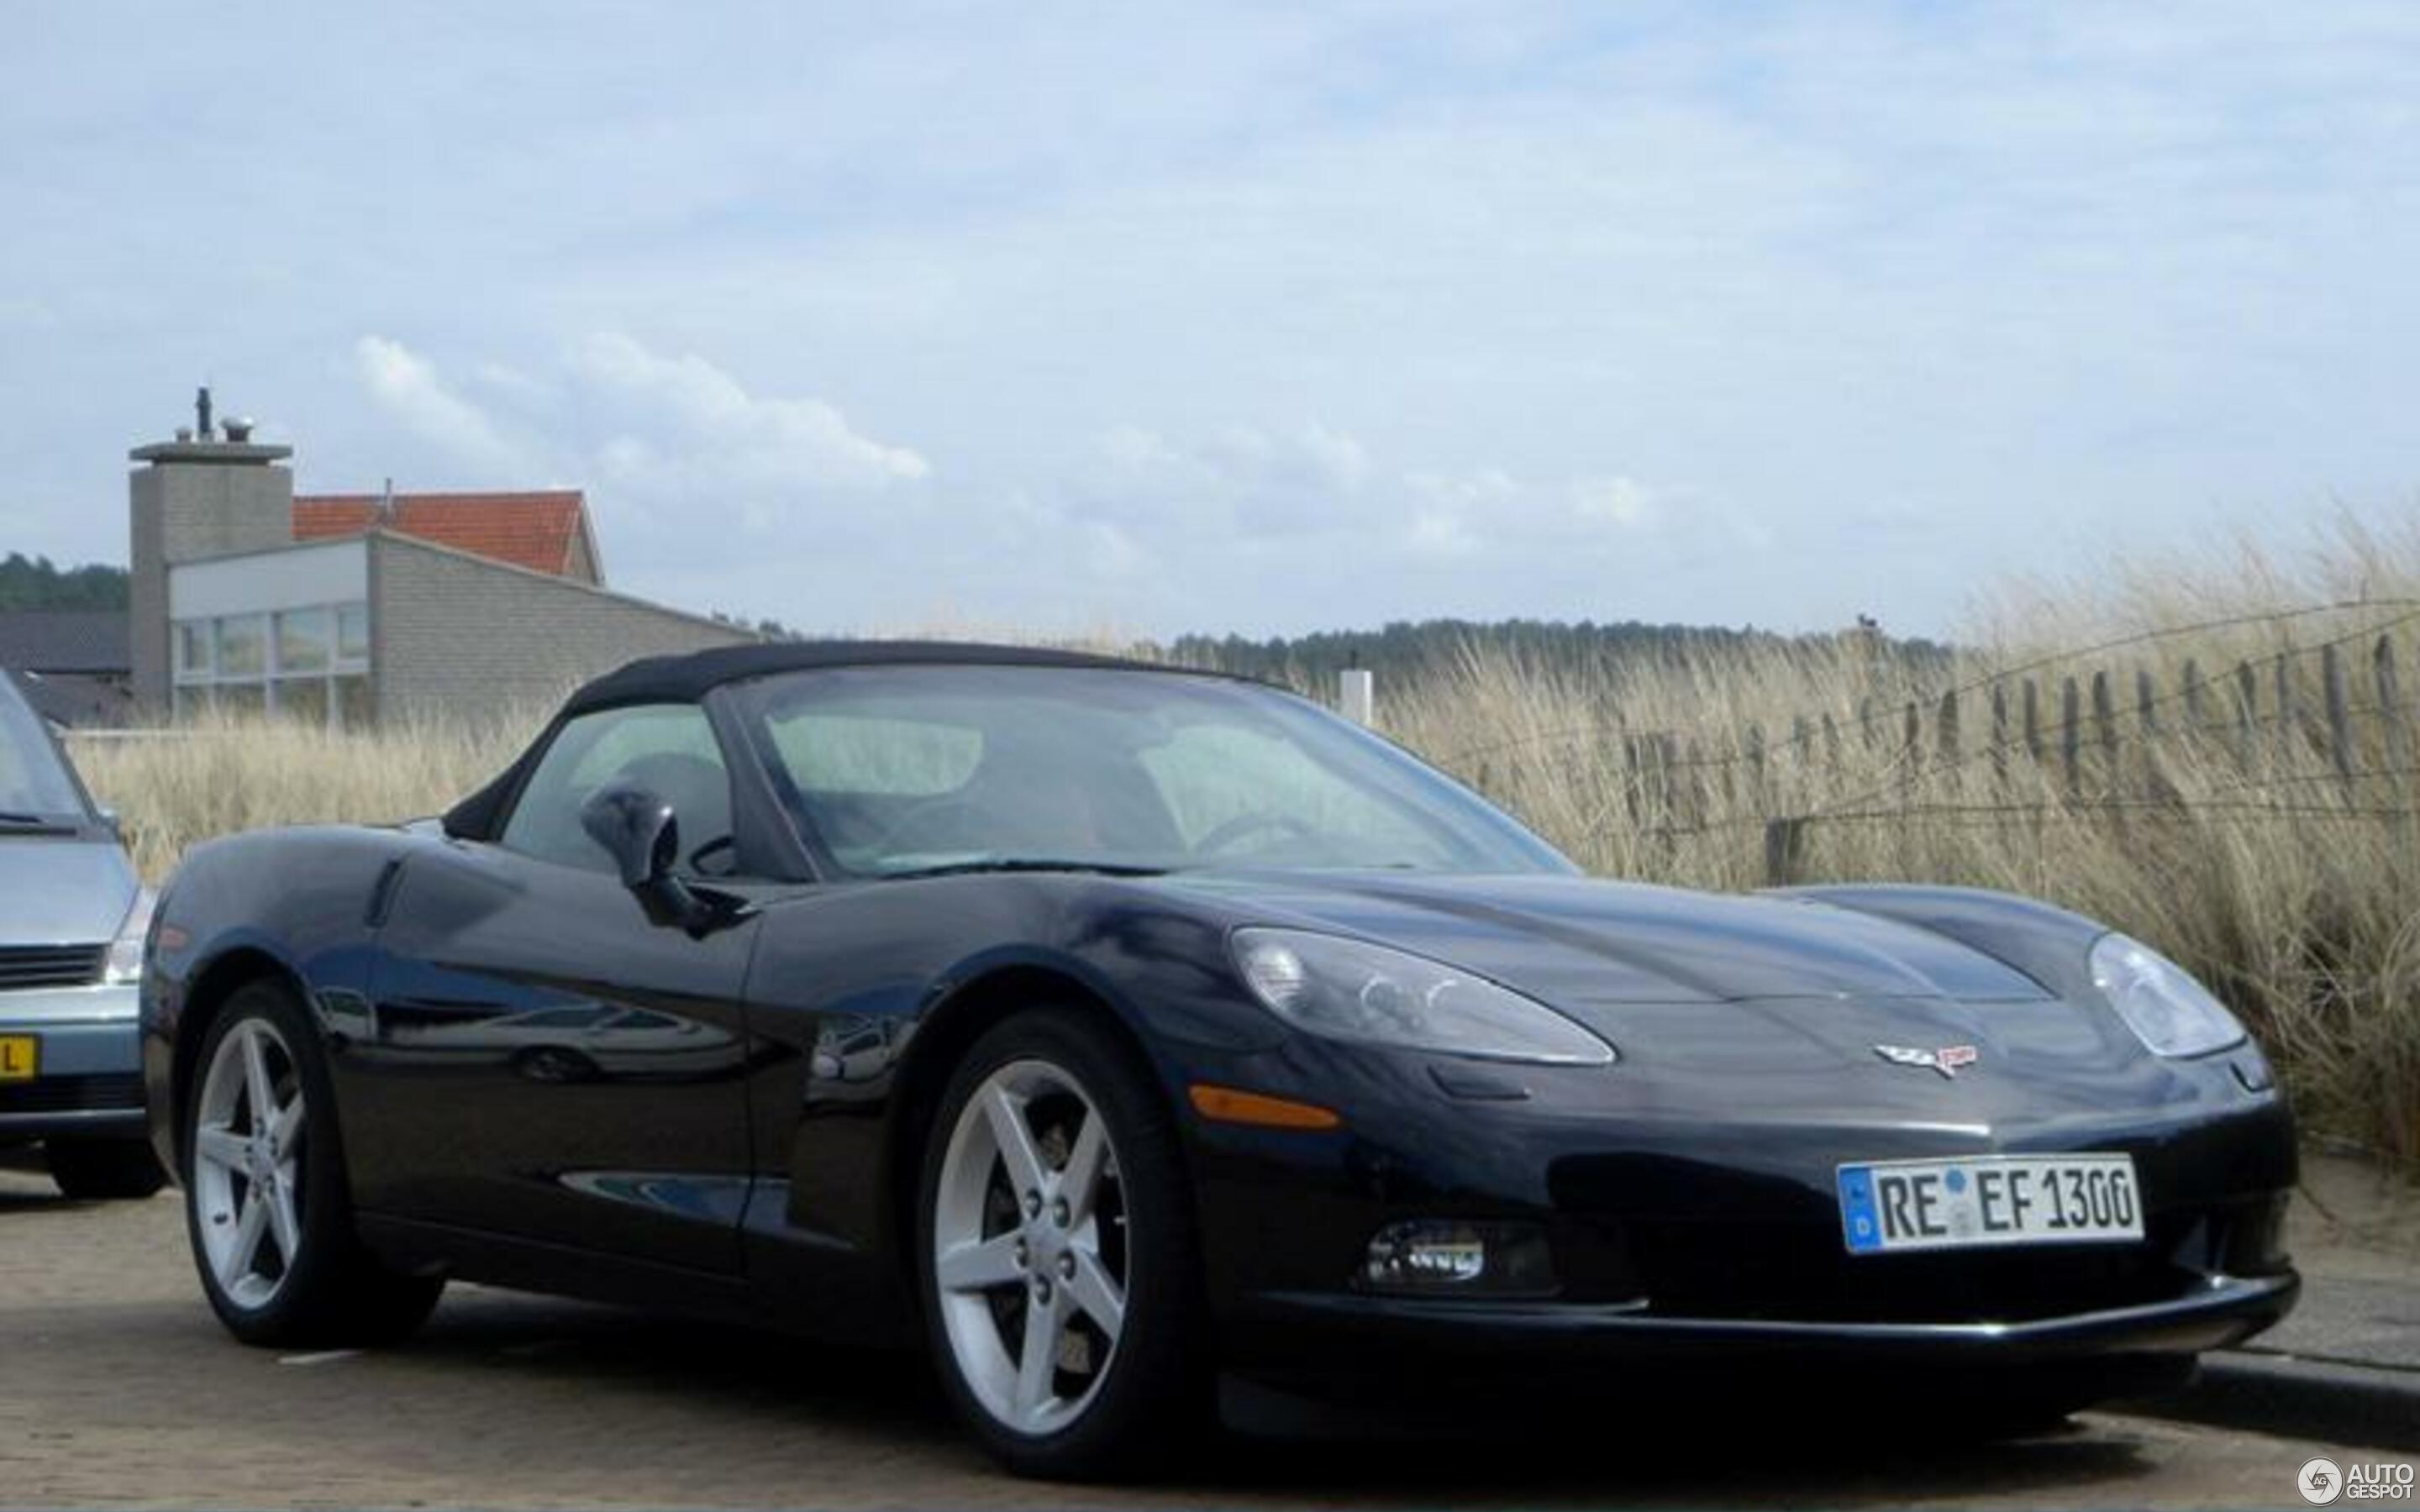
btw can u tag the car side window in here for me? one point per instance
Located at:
(669, 749)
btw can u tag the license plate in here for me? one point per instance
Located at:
(20, 1057)
(1891, 1206)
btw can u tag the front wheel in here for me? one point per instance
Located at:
(266, 1204)
(1060, 1272)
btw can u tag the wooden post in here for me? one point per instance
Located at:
(1357, 695)
(2332, 681)
(2196, 698)
(1832, 744)
(1802, 754)
(1910, 759)
(1946, 738)
(1866, 721)
(1666, 777)
(2394, 719)
(2147, 720)
(1632, 789)
(2070, 736)
(2289, 708)
(1784, 843)
(2033, 720)
(1999, 736)
(2104, 721)
(2248, 711)
(1755, 754)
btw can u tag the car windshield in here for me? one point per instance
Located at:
(893, 770)
(34, 787)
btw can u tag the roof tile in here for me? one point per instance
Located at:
(538, 530)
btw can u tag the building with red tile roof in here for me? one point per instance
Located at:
(345, 611)
(544, 532)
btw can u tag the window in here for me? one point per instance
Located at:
(243, 652)
(309, 664)
(1235, 784)
(669, 749)
(896, 758)
(907, 768)
(193, 648)
(305, 641)
(33, 780)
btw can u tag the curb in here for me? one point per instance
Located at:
(2284, 1395)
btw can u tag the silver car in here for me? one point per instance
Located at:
(72, 914)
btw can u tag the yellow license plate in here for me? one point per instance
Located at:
(20, 1057)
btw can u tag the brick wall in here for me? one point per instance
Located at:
(196, 500)
(455, 635)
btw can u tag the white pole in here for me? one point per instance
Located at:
(1357, 695)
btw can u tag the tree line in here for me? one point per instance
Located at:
(1405, 648)
(37, 583)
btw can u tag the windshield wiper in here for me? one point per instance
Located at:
(1025, 863)
(31, 821)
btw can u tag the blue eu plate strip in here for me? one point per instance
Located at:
(1859, 1223)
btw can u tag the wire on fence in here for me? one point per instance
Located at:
(2000, 677)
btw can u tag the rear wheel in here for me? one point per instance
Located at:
(94, 1170)
(266, 1204)
(1060, 1272)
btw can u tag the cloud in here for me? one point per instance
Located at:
(715, 424)
(407, 388)
(666, 445)
(1274, 482)
(1248, 317)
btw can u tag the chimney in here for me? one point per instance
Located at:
(195, 497)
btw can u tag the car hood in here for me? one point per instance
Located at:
(1576, 942)
(56, 891)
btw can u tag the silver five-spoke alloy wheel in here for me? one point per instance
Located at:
(247, 1163)
(1030, 1251)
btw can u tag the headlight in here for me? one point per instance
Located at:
(125, 964)
(1346, 990)
(2169, 1011)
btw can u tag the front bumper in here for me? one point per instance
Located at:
(1378, 1330)
(1677, 1235)
(90, 1078)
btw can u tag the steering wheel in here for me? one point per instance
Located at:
(917, 812)
(726, 846)
(1228, 832)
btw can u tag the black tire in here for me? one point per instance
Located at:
(337, 1293)
(1155, 1402)
(103, 1170)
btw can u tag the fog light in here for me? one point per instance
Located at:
(1439, 1256)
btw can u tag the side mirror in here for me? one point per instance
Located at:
(639, 831)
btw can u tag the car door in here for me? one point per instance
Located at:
(546, 1063)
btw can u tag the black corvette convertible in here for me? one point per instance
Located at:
(1111, 1027)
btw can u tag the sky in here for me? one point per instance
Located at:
(1240, 318)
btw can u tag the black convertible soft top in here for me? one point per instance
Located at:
(686, 678)
(690, 677)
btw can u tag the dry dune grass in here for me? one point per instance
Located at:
(2247, 855)
(222, 775)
